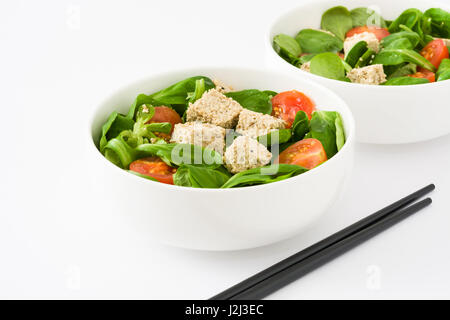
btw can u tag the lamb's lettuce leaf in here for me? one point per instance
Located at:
(263, 175)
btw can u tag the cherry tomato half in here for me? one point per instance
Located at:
(154, 167)
(435, 51)
(424, 73)
(285, 105)
(165, 114)
(307, 153)
(380, 33)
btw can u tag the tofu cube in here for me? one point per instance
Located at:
(201, 134)
(246, 153)
(255, 124)
(370, 38)
(215, 108)
(373, 74)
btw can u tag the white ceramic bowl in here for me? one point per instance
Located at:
(383, 114)
(220, 219)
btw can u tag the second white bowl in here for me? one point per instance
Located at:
(383, 114)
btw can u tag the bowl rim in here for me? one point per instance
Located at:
(277, 19)
(349, 125)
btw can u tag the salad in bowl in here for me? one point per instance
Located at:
(387, 59)
(201, 133)
(360, 46)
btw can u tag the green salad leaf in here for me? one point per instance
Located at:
(115, 124)
(443, 73)
(367, 17)
(300, 126)
(142, 131)
(176, 154)
(305, 58)
(200, 88)
(409, 18)
(328, 65)
(439, 22)
(275, 137)
(175, 96)
(365, 59)
(253, 99)
(400, 44)
(398, 56)
(403, 81)
(263, 175)
(200, 176)
(120, 152)
(355, 53)
(337, 20)
(318, 41)
(392, 41)
(163, 127)
(142, 175)
(400, 70)
(287, 48)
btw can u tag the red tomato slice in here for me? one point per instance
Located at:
(307, 153)
(165, 114)
(285, 105)
(380, 33)
(435, 51)
(424, 73)
(154, 167)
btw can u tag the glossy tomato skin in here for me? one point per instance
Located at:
(435, 51)
(165, 114)
(424, 73)
(379, 32)
(307, 153)
(154, 167)
(285, 105)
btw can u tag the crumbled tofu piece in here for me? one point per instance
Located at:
(368, 37)
(201, 134)
(246, 153)
(222, 87)
(373, 74)
(306, 66)
(446, 42)
(255, 124)
(215, 108)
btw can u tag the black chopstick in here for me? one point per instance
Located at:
(321, 245)
(279, 280)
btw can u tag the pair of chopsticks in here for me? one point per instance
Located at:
(311, 258)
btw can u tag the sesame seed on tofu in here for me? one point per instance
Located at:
(246, 153)
(255, 124)
(201, 134)
(370, 38)
(222, 87)
(373, 74)
(215, 108)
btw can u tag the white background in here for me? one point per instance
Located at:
(58, 58)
